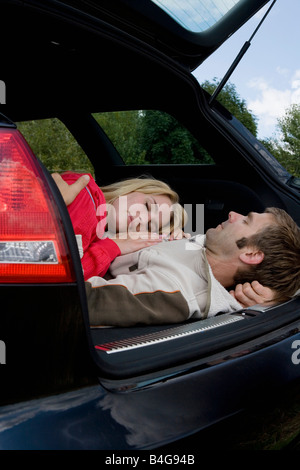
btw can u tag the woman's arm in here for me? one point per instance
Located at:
(70, 191)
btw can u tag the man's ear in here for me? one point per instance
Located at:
(252, 257)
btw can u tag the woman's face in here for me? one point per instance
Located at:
(139, 212)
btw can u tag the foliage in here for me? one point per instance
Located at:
(165, 140)
(154, 137)
(230, 99)
(54, 145)
(151, 137)
(287, 148)
(124, 128)
(141, 137)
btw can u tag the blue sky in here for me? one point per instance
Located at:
(268, 77)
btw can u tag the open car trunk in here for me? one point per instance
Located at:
(127, 357)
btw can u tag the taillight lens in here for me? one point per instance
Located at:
(33, 246)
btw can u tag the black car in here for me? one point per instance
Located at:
(63, 384)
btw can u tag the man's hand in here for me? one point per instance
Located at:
(251, 294)
(70, 191)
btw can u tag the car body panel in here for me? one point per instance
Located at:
(93, 418)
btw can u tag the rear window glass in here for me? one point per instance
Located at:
(151, 137)
(196, 15)
(141, 137)
(55, 146)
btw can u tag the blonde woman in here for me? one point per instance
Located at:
(136, 213)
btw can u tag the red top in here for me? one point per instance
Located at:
(97, 253)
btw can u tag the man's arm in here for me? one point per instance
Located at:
(251, 294)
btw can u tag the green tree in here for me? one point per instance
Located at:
(51, 141)
(141, 137)
(124, 130)
(231, 100)
(287, 148)
(165, 140)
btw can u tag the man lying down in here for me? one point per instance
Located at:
(191, 278)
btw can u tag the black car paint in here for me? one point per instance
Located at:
(93, 418)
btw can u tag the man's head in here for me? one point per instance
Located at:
(263, 247)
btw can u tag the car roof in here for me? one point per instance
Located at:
(61, 46)
(188, 31)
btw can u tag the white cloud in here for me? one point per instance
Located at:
(271, 103)
(295, 83)
(283, 71)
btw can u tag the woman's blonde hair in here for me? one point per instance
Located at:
(147, 185)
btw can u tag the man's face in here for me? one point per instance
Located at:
(222, 240)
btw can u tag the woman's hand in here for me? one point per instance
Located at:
(70, 191)
(251, 294)
(134, 241)
(131, 242)
(178, 234)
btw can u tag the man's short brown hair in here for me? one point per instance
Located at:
(280, 268)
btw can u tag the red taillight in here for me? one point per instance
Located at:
(33, 247)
